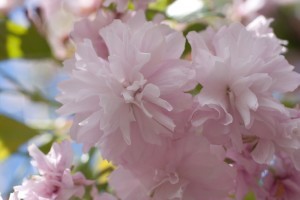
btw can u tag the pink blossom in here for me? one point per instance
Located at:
(261, 27)
(55, 180)
(240, 70)
(282, 181)
(133, 87)
(55, 162)
(179, 172)
(123, 4)
(57, 19)
(249, 173)
(13, 196)
(247, 10)
(89, 29)
(290, 141)
(82, 7)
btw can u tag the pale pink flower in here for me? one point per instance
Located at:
(78, 8)
(57, 18)
(247, 10)
(89, 29)
(55, 180)
(131, 189)
(261, 26)
(249, 173)
(123, 4)
(290, 141)
(55, 162)
(82, 7)
(282, 182)
(186, 170)
(13, 196)
(274, 132)
(240, 70)
(135, 86)
(55, 23)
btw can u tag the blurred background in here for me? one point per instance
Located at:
(34, 42)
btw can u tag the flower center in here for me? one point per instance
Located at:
(132, 89)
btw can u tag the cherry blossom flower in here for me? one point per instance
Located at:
(89, 29)
(180, 172)
(239, 71)
(249, 173)
(55, 180)
(82, 7)
(282, 180)
(131, 88)
(55, 19)
(247, 10)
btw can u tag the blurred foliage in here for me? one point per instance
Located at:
(45, 148)
(160, 5)
(20, 42)
(286, 25)
(150, 14)
(85, 166)
(250, 196)
(12, 135)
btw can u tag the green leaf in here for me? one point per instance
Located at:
(288, 31)
(250, 196)
(22, 42)
(12, 135)
(196, 90)
(160, 5)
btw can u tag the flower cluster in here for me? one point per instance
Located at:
(133, 97)
(55, 179)
(207, 126)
